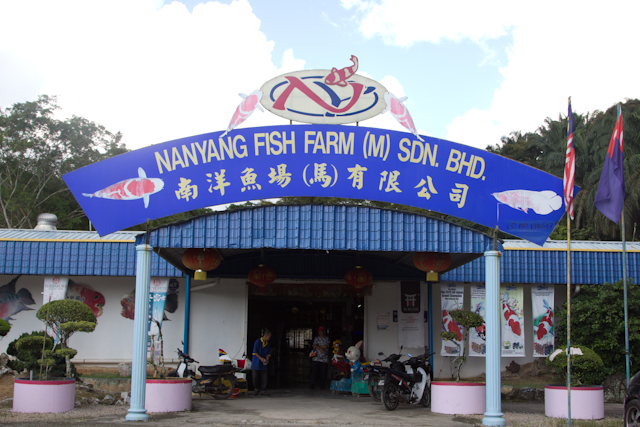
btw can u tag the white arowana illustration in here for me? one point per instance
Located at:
(245, 109)
(131, 189)
(400, 112)
(541, 202)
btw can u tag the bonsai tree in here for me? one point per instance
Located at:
(586, 366)
(37, 345)
(66, 317)
(467, 319)
(5, 327)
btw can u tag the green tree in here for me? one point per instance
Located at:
(597, 321)
(5, 327)
(36, 149)
(467, 319)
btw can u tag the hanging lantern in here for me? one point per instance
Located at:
(262, 275)
(201, 261)
(358, 277)
(432, 263)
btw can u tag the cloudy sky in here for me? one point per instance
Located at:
(473, 71)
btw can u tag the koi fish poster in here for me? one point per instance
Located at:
(452, 298)
(477, 336)
(542, 300)
(512, 320)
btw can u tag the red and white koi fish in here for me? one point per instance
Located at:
(339, 77)
(86, 294)
(131, 189)
(245, 109)
(513, 320)
(544, 327)
(400, 112)
(450, 325)
(541, 202)
(482, 329)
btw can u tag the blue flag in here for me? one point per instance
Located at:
(611, 190)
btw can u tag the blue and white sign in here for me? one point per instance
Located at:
(319, 161)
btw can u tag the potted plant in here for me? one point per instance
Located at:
(587, 392)
(456, 397)
(48, 393)
(165, 394)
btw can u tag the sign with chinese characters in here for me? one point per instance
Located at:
(318, 161)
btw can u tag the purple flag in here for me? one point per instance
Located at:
(611, 190)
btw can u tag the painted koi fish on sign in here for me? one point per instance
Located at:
(131, 189)
(400, 112)
(545, 325)
(482, 329)
(12, 302)
(339, 77)
(541, 202)
(512, 318)
(450, 325)
(245, 109)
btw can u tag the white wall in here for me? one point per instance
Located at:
(384, 298)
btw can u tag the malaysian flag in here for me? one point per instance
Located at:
(569, 166)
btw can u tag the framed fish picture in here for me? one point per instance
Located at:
(512, 320)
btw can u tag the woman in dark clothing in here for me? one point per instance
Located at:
(259, 360)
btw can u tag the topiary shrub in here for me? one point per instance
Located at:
(27, 357)
(67, 317)
(586, 369)
(5, 327)
(467, 319)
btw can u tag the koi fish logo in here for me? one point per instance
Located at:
(512, 318)
(245, 109)
(400, 112)
(131, 189)
(541, 202)
(339, 77)
(545, 325)
(450, 325)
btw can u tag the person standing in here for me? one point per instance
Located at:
(259, 360)
(320, 361)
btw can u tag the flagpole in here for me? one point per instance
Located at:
(624, 282)
(569, 317)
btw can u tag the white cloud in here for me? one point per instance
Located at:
(558, 49)
(155, 74)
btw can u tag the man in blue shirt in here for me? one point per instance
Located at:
(259, 360)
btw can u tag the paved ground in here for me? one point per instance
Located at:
(291, 408)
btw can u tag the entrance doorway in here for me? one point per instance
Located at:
(293, 322)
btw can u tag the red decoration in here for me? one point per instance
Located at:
(262, 275)
(431, 261)
(358, 277)
(201, 259)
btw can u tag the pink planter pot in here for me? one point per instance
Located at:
(44, 396)
(458, 398)
(168, 395)
(587, 403)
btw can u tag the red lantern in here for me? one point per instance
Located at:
(431, 261)
(262, 275)
(358, 277)
(201, 261)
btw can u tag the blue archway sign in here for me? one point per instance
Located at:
(319, 161)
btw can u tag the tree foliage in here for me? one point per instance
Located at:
(29, 352)
(5, 327)
(597, 321)
(586, 369)
(36, 149)
(467, 319)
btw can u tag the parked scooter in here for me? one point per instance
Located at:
(219, 380)
(375, 373)
(412, 386)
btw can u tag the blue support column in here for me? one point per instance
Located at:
(140, 335)
(187, 315)
(430, 318)
(493, 415)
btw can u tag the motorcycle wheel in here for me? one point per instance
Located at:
(389, 396)
(426, 397)
(224, 387)
(374, 388)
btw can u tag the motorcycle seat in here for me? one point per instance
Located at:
(216, 369)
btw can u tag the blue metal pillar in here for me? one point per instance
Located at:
(140, 335)
(187, 315)
(493, 415)
(430, 318)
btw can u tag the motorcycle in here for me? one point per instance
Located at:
(219, 380)
(375, 373)
(412, 386)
